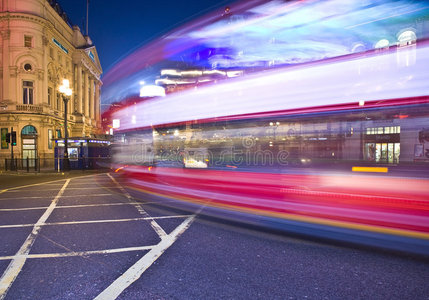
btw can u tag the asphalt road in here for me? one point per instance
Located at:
(87, 237)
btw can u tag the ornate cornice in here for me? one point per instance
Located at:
(23, 16)
(40, 20)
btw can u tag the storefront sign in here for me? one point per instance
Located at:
(91, 55)
(60, 46)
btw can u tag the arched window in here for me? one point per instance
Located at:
(29, 130)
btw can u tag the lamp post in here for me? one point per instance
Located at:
(65, 92)
(274, 125)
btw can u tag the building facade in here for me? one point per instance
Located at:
(38, 49)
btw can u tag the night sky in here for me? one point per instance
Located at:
(118, 27)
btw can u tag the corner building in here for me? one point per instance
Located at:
(38, 49)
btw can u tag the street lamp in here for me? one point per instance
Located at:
(65, 92)
(274, 125)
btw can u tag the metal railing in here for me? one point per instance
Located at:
(22, 164)
(55, 165)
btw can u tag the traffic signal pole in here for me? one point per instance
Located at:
(12, 162)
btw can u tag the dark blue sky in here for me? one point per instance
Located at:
(118, 27)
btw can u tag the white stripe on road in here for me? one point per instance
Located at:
(29, 185)
(67, 206)
(69, 188)
(158, 229)
(134, 273)
(16, 264)
(94, 221)
(47, 197)
(48, 182)
(80, 253)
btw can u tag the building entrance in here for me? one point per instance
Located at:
(382, 144)
(29, 146)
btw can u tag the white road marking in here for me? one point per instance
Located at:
(69, 188)
(158, 229)
(16, 264)
(94, 221)
(28, 185)
(134, 273)
(47, 197)
(48, 182)
(79, 253)
(121, 283)
(67, 206)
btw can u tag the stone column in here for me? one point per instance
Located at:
(79, 88)
(91, 98)
(97, 102)
(45, 70)
(6, 64)
(85, 95)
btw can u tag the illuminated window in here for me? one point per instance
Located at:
(28, 41)
(27, 92)
(50, 137)
(383, 130)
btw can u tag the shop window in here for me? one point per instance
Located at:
(383, 130)
(27, 92)
(50, 137)
(4, 144)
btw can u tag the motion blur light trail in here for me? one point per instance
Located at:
(308, 116)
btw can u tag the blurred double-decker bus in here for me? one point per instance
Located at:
(327, 137)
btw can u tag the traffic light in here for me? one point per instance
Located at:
(13, 138)
(8, 137)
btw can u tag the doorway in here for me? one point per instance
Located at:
(29, 146)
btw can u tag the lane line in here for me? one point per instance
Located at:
(66, 206)
(65, 196)
(135, 272)
(70, 188)
(48, 182)
(95, 221)
(79, 253)
(16, 264)
(158, 229)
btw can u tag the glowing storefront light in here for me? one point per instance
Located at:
(170, 72)
(116, 123)
(382, 44)
(407, 37)
(152, 91)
